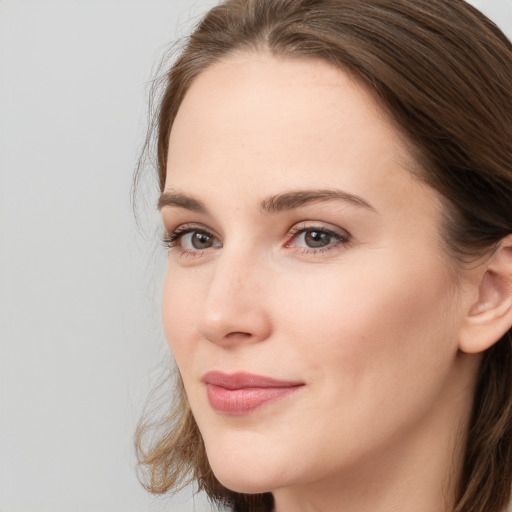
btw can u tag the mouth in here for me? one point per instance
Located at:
(242, 393)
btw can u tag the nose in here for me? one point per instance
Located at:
(234, 309)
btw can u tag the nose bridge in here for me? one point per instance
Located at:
(234, 307)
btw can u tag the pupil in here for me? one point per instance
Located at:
(316, 239)
(201, 241)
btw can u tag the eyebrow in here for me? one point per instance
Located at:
(179, 200)
(296, 199)
(273, 204)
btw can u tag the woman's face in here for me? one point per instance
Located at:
(308, 302)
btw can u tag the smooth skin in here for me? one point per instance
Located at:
(303, 248)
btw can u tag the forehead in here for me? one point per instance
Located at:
(274, 122)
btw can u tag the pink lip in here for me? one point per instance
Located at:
(241, 393)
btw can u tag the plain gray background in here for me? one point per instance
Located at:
(79, 286)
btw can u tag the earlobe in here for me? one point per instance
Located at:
(490, 316)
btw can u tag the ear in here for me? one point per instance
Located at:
(490, 316)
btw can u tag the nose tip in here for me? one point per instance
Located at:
(231, 325)
(234, 309)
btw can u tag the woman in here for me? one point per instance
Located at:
(336, 181)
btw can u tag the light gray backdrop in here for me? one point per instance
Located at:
(79, 287)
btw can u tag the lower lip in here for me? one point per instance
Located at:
(236, 402)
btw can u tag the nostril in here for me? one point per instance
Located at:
(238, 335)
(229, 316)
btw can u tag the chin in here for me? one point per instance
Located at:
(243, 473)
(242, 485)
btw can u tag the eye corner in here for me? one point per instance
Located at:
(190, 239)
(316, 238)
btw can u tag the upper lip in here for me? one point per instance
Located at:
(242, 380)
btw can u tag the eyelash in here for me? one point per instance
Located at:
(339, 239)
(171, 240)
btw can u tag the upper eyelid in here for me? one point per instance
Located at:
(173, 237)
(295, 228)
(312, 227)
(182, 230)
(320, 226)
(189, 226)
(339, 237)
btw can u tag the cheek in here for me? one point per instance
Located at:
(370, 331)
(179, 310)
(362, 301)
(372, 345)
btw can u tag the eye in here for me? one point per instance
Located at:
(198, 240)
(191, 239)
(316, 239)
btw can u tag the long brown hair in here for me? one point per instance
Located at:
(443, 72)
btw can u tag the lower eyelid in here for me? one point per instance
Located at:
(174, 241)
(171, 239)
(325, 248)
(338, 237)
